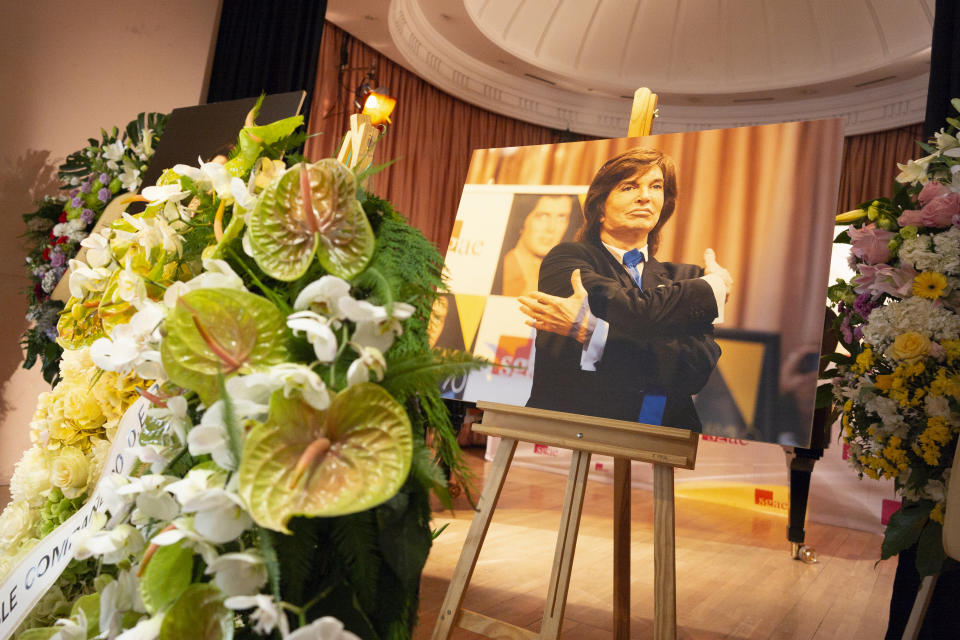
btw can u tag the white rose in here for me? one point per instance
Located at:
(69, 472)
(31, 477)
(16, 523)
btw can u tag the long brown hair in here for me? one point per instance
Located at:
(619, 168)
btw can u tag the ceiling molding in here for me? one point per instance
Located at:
(509, 88)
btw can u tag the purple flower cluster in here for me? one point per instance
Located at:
(57, 258)
(87, 216)
(104, 195)
(85, 186)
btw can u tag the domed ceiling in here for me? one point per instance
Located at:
(574, 64)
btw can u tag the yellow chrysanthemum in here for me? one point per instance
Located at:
(864, 360)
(945, 385)
(929, 284)
(936, 514)
(952, 349)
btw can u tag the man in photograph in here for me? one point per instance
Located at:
(545, 221)
(619, 333)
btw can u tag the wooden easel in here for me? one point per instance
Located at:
(666, 448)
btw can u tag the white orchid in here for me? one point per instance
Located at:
(113, 151)
(131, 343)
(375, 326)
(153, 232)
(241, 195)
(118, 597)
(210, 437)
(370, 361)
(151, 454)
(146, 629)
(114, 545)
(72, 628)
(84, 279)
(219, 515)
(325, 628)
(217, 274)
(131, 287)
(130, 177)
(290, 376)
(323, 296)
(238, 574)
(209, 176)
(318, 332)
(175, 413)
(98, 249)
(267, 615)
(152, 501)
(182, 529)
(165, 193)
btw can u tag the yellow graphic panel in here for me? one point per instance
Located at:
(767, 498)
(741, 365)
(470, 309)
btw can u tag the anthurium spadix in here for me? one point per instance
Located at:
(302, 461)
(213, 332)
(311, 209)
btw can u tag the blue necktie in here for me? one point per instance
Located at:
(651, 411)
(631, 259)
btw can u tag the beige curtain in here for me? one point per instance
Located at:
(432, 141)
(870, 163)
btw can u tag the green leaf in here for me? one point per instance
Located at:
(404, 537)
(408, 374)
(166, 577)
(930, 553)
(90, 605)
(904, 527)
(345, 459)
(220, 331)
(953, 122)
(429, 474)
(956, 103)
(842, 238)
(198, 614)
(41, 633)
(824, 396)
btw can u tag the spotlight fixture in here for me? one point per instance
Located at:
(378, 104)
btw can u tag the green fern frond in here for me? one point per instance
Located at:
(410, 373)
(355, 540)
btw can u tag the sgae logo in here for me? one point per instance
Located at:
(513, 352)
(463, 246)
(764, 498)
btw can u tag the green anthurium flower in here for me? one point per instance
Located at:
(302, 461)
(311, 209)
(213, 332)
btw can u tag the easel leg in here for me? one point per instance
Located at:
(664, 559)
(621, 549)
(474, 540)
(566, 545)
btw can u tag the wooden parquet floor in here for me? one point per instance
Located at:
(735, 576)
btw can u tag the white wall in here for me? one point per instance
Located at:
(68, 68)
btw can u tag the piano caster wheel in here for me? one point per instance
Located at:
(803, 553)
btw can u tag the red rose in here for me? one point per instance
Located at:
(46, 253)
(63, 216)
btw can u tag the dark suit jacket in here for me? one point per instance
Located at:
(660, 338)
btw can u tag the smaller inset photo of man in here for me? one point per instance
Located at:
(537, 223)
